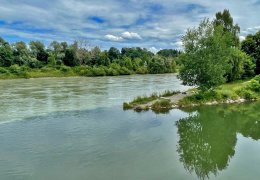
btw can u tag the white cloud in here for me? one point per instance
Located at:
(113, 38)
(242, 38)
(177, 45)
(154, 50)
(65, 20)
(131, 35)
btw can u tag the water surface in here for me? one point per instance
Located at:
(77, 129)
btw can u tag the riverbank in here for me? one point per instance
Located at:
(23, 72)
(234, 92)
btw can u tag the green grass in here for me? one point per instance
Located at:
(162, 104)
(168, 93)
(145, 99)
(229, 91)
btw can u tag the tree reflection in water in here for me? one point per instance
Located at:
(207, 140)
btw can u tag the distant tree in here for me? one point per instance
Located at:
(51, 60)
(226, 21)
(21, 53)
(95, 55)
(38, 51)
(113, 53)
(168, 52)
(70, 58)
(103, 59)
(251, 46)
(128, 63)
(6, 54)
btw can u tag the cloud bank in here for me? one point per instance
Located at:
(145, 23)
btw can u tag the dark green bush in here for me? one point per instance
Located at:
(3, 70)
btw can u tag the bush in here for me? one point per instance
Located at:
(254, 85)
(3, 70)
(64, 69)
(141, 70)
(257, 78)
(25, 68)
(34, 63)
(14, 69)
(246, 93)
(46, 69)
(112, 72)
(125, 71)
(98, 71)
(127, 106)
(162, 104)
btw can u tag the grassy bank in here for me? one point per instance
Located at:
(18, 72)
(229, 92)
(236, 91)
(145, 99)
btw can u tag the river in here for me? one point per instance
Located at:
(76, 128)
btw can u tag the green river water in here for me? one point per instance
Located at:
(76, 128)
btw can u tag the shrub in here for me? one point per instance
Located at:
(125, 71)
(127, 106)
(3, 70)
(14, 68)
(257, 78)
(254, 85)
(168, 93)
(98, 71)
(162, 104)
(25, 68)
(246, 93)
(46, 69)
(234, 96)
(64, 69)
(112, 72)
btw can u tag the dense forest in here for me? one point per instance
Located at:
(80, 58)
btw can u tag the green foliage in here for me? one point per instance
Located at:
(251, 46)
(3, 70)
(168, 93)
(70, 58)
(65, 69)
(246, 93)
(98, 71)
(226, 21)
(236, 60)
(6, 54)
(14, 69)
(161, 104)
(128, 63)
(51, 60)
(144, 99)
(254, 85)
(61, 59)
(127, 106)
(206, 57)
(169, 53)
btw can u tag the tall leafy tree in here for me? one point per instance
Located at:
(38, 51)
(207, 51)
(251, 46)
(6, 54)
(226, 21)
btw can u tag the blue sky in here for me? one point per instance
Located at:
(151, 24)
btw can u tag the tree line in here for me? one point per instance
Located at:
(84, 59)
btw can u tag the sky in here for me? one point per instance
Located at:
(151, 24)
